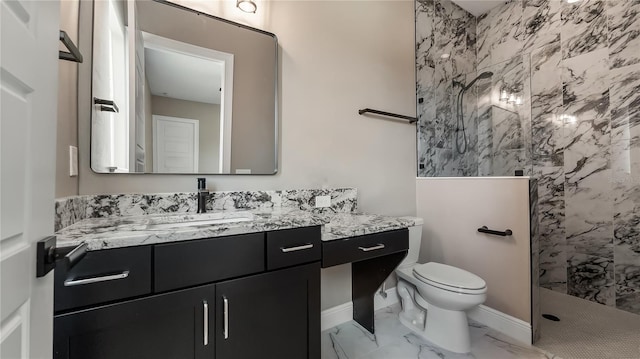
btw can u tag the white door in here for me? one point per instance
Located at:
(175, 144)
(28, 82)
(110, 130)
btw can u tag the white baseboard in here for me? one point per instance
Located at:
(506, 324)
(343, 313)
(339, 314)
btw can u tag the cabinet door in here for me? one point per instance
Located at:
(270, 315)
(173, 325)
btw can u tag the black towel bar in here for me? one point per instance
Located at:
(106, 105)
(73, 54)
(484, 229)
(389, 114)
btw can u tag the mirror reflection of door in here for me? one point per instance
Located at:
(187, 81)
(110, 130)
(175, 144)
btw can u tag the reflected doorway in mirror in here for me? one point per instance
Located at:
(193, 78)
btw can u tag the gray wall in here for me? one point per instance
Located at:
(208, 116)
(67, 129)
(335, 57)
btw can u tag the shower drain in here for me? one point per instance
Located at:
(551, 317)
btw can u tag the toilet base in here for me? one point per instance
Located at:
(413, 319)
(452, 336)
(448, 329)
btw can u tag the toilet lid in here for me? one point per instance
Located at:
(448, 276)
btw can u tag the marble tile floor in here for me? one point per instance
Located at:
(394, 341)
(587, 330)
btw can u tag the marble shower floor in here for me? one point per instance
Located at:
(394, 341)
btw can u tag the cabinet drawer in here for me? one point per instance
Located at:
(289, 247)
(364, 247)
(190, 263)
(103, 276)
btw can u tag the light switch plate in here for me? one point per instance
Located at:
(73, 161)
(323, 201)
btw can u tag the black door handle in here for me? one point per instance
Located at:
(48, 255)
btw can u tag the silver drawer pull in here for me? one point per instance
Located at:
(374, 248)
(205, 307)
(225, 315)
(72, 282)
(298, 248)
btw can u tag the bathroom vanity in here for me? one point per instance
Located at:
(203, 298)
(229, 283)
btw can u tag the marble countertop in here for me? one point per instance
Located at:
(116, 232)
(345, 225)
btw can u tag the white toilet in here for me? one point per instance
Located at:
(445, 292)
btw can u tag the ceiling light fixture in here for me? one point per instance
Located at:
(518, 100)
(247, 6)
(504, 95)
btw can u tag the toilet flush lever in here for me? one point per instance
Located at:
(374, 248)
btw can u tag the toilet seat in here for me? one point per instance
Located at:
(449, 278)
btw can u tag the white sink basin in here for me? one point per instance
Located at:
(205, 219)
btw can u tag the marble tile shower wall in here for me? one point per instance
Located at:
(445, 59)
(578, 67)
(73, 209)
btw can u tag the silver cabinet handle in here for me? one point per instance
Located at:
(298, 248)
(73, 282)
(225, 302)
(374, 248)
(205, 307)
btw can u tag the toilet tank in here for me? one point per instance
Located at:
(415, 240)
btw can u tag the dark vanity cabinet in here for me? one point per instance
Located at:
(208, 298)
(268, 315)
(168, 325)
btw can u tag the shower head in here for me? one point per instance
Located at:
(484, 75)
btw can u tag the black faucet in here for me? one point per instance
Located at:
(203, 195)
